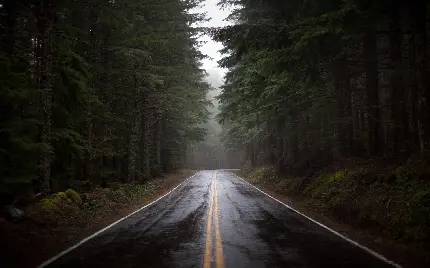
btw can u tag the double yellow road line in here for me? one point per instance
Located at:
(213, 216)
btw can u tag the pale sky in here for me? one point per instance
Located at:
(211, 48)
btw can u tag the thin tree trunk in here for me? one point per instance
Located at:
(294, 144)
(146, 168)
(157, 147)
(372, 90)
(251, 153)
(89, 122)
(279, 145)
(398, 106)
(348, 113)
(45, 20)
(343, 95)
(135, 133)
(418, 17)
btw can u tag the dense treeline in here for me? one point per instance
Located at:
(97, 91)
(311, 82)
(211, 153)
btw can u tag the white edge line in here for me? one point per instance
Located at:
(51, 260)
(371, 252)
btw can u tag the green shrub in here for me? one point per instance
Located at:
(74, 196)
(263, 174)
(48, 205)
(61, 196)
(411, 170)
(283, 185)
(56, 203)
(118, 195)
(140, 190)
(400, 207)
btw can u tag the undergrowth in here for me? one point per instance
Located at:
(394, 202)
(262, 175)
(71, 207)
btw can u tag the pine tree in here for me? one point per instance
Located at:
(95, 90)
(312, 83)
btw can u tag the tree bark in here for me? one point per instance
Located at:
(372, 90)
(146, 168)
(157, 147)
(398, 105)
(251, 152)
(279, 145)
(45, 20)
(294, 144)
(89, 122)
(422, 92)
(343, 95)
(135, 132)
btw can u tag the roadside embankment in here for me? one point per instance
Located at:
(387, 209)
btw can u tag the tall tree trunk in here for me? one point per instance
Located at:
(372, 90)
(343, 95)
(7, 46)
(135, 132)
(294, 144)
(45, 20)
(398, 104)
(348, 112)
(157, 147)
(422, 92)
(95, 54)
(279, 145)
(271, 146)
(146, 168)
(251, 153)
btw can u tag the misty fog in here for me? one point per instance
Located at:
(210, 153)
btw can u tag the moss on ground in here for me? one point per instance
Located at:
(74, 196)
(57, 203)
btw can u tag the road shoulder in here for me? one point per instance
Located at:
(30, 242)
(405, 255)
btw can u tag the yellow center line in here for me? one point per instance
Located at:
(208, 249)
(218, 252)
(219, 258)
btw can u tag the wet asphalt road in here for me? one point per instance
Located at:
(217, 221)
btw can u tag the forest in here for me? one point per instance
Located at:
(329, 101)
(97, 91)
(106, 108)
(314, 82)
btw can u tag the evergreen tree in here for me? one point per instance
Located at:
(311, 83)
(95, 90)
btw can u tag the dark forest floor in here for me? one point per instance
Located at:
(385, 210)
(51, 228)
